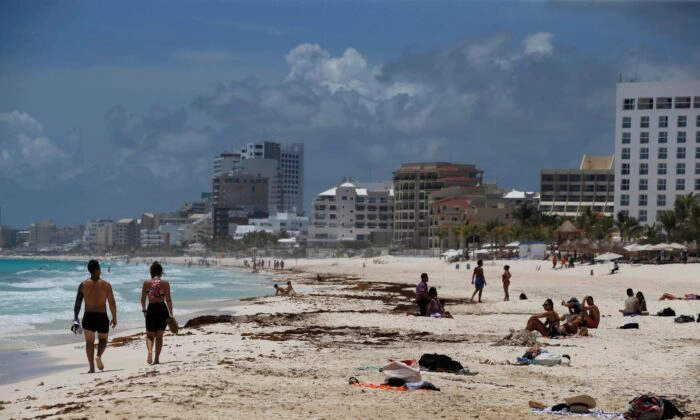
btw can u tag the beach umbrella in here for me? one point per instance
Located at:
(632, 248)
(608, 256)
(662, 247)
(676, 245)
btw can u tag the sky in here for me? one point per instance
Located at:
(115, 108)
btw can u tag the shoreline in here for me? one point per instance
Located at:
(278, 352)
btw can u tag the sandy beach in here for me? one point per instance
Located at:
(292, 356)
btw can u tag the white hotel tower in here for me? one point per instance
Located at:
(657, 146)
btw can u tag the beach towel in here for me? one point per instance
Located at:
(592, 413)
(422, 385)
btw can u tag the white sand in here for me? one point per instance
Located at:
(297, 366)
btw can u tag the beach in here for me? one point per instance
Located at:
(292, 356)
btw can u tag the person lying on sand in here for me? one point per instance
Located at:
(689, 296)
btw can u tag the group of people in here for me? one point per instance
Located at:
(260, 264)
(635, 304)
(479, 281)
(549, 324)
(97, 294)
(427, 299)
(285, 291)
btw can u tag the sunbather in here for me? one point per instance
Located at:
(550, 326)
(689, 296)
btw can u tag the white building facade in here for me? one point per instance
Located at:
(657, 146)
(348, 213)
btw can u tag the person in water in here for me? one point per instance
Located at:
(97, 293)
(160, 306)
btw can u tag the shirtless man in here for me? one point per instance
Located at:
(550, 326)
(589, 316)
(96, 292)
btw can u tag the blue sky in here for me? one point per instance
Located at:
(116, 108)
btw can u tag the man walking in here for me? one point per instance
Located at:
(97, 293)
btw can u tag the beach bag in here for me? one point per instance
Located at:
(439, 363)
(666, 312)
(683, 319)
(630, 325)
(396, 369)
(646, 407)
(546, 358)
(172, 325)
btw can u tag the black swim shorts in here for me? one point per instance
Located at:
(96, 321)
(157, 315)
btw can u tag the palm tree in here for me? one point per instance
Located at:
(669, 221)
(626, 225)
(441, 234)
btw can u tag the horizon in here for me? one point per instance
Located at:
(117, 109)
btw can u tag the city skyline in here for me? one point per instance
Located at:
(114, 109)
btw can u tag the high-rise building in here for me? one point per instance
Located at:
(567, 192)
(413, 185)
(657, 146)
(225, 163)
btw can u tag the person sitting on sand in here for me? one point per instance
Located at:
(589, 317)
(285, 291)
(631, 305)
(550, 326)
(642, 302)
(574, 307)
(436, 308)
(689, 296)
(615, 268)
(422, 297)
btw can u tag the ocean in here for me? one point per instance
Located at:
(37, 296)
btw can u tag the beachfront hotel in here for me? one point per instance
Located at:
(413, 185)
(352, 212)
(657, 146)
(567, 192)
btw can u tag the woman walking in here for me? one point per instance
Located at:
(506, 282)
(478, 279)
(160, 306)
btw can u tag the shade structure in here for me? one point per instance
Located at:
(608, 256)
(676, 245)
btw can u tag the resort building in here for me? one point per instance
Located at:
(567, 192)
(352, 212)
(237, 196)
(516, 198)
(126, 233)
(657, 146)
(413, 185)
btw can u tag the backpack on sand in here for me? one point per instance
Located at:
(439, 363)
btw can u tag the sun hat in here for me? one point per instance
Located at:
(586, 400)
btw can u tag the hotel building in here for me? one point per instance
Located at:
(413, 185)
(349, 212)
(567, 192)
(657, 146)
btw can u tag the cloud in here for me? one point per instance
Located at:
(28, 155)
(538, 43)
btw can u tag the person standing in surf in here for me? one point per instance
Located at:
(97, 293)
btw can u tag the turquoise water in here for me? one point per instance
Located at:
(37, 296)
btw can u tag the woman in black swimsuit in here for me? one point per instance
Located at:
(160, 306)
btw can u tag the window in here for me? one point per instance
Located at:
(644, 153)
(661, 184)
(626, 122)
(696, 103)
(697, 119)
(680, 153)
(624, 199)
(662, 103)
(628, 104)
(697, 137)
(662, 153)
(661, 169)
(644, 137)
(625, 169)
(625, 184)
(626, 137)
(682, 121)
(625, 153)
(663, 121)
(644, 122)
(680, 184)
(680, 137)
(697, 184)
(642, 215)
(643, 184)
(663, 137)
(661, 200)
(646, 103)
(643, 169)
(682, 102)
(697, 168)
(680, 168)
(642, 199)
